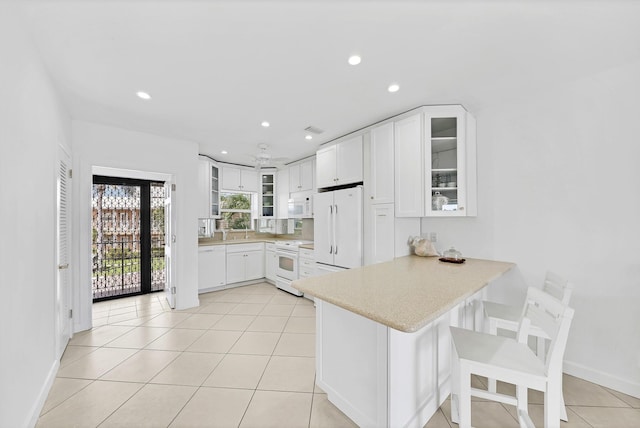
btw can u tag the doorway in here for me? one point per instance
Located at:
(128, 237)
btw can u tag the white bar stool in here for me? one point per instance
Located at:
(507, 317)
(511, 360)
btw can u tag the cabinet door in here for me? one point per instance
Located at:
(235, 267)
(231, 178)
(214, 186)
(381, 162)
(283, 194)
(219, 266)
(326, 167)
(268, 195)
(409, 187)
(382, 233)
(270, 265)
(203, 188)
(249, 180)
(294, 178)
(306, 176)
(445, 159)
(206, 268)
(349, 161)
(254, 265)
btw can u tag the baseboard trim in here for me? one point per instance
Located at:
(32, 419)
(603, 379)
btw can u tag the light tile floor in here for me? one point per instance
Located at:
(244, 358)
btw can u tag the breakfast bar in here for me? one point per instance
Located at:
(382, 334)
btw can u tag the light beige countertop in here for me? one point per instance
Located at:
(306, 246)
(207, 242)
(406, 293)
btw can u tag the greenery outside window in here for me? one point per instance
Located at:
(236, 210)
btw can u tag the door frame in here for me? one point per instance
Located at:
(84, 295)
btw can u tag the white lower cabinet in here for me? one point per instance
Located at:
(245, 262)
(380, 234)
(270, 262)
(211, 267)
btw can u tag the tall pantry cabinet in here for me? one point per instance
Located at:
(379, 219)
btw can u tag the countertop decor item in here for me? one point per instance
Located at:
(452, 256)
(423, 247)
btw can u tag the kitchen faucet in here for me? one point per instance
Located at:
(224, 234)
(246, 231)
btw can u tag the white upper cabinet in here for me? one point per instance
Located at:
(239, 179)
(380, 185)
(450, 162)
(409, 188)
(282, 199)
(339, 164)
(208, 189)
(435, 163)
(301, 176)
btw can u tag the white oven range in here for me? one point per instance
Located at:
(287, 265)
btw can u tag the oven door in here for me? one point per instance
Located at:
(287, 265)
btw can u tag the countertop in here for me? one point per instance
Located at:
(306, 246)
(406, 293)
(208, 242)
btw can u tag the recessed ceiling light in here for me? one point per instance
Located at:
(265, 124)
(143, 95)
(354, 60)
(394, 87)
(224, 152)
(308, 137)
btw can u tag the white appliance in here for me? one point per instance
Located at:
(300, 205)
(338, 227)
(287, 265)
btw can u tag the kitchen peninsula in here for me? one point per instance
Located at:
(383, 347)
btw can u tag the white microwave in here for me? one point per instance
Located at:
(301, 206)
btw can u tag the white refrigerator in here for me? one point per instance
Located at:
(338, 227)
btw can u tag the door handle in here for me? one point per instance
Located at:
(329, 229)
(64, 266)
(335, 226)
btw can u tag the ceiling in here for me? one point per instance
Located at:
(217, 69)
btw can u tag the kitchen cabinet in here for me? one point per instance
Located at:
(435, 163)
(267, 194)
(282, 200)
(301, 176)
(270, 262)
(340, 163)
(211, 267)
(245, 262)
(379, 185)
(379, 238)
(450, 162)
(408, 159)
(306, 263)
(208, 189)
(239, 179)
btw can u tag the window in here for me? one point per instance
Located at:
(236, 210)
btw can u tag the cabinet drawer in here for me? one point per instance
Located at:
(307, 264)
(242, 248)
(306, 272)
(307, 254)
(269, 246)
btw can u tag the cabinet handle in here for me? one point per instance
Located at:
(461, 208)
(371, 197)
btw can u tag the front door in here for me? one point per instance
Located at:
(128, 237)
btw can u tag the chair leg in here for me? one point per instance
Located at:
(541, 345)
(492, 384)
(523, 400)
(552, 402)
(464, 397)
(455, 389)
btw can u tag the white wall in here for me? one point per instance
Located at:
(104, 146)
(32, 125)
(558, 178)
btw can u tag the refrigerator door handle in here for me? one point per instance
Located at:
(329, 237)
(335, 226)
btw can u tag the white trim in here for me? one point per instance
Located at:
(130, 173)
(603, 379)
(36, 409)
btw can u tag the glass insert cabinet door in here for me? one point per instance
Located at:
(215, 192)
(445, 153)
